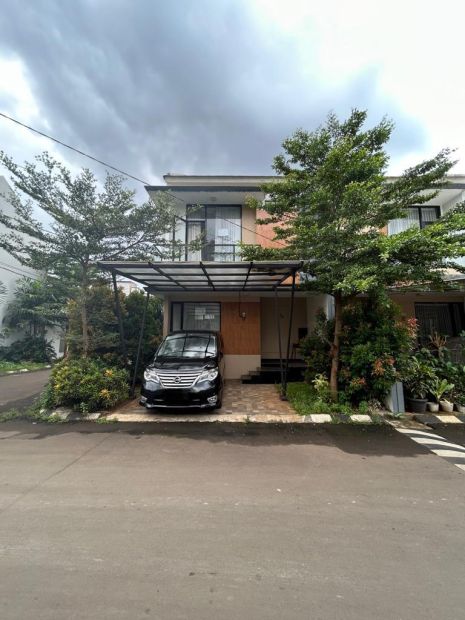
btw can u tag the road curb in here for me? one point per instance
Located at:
(23, 371)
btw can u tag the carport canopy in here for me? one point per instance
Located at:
(200, 276)
(164, 277)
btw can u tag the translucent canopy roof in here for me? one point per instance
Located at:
(206, 276)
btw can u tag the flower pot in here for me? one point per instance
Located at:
(417, 405)
(446, 406)
(460, 408)
(433, 407)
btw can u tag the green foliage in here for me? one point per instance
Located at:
(103, 335)
(445, 376)
(316, 347)
(306, 400)
(334, 200)
(36, 305)
(440, 387)
(103, 325)
(334, 194)
(153, 330)
(15, 366)
(375, 345)
(321, 386)
(86, 384)
(418, 376)
(29, 349)
(86, 225)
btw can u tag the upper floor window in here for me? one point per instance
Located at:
(417, 217)
(216, 229)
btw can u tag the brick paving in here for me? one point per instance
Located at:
(255, 403)
(254, 399)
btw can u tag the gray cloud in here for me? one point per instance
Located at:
(193, 87)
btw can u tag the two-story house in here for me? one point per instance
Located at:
(207, 286)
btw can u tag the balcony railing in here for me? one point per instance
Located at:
(224, 252)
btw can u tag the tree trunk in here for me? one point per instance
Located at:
(84, 321)
(335, 346)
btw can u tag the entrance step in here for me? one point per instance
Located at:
(270, 372)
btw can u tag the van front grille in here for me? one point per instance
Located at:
(181, 379)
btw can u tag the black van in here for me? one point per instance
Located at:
(186, 373)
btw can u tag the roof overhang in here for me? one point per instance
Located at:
(247, 276)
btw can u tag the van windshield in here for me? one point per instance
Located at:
(197, 346)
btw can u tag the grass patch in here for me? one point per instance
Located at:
(104, 420)
(12, 414)
(305, 400)
(16, 366)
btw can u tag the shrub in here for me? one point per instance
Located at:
(87, 384)
(103, 326)
(29, 349)
(375, 347)
(315, 348)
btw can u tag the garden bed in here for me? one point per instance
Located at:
(8, 368)
(307, 403)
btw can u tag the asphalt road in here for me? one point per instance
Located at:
(18, 391)
(206, 522)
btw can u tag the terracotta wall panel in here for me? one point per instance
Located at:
(241, 336)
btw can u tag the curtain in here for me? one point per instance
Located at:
(202, 315)
(224, 231)
(428, 215)
(194, 233)
(404, 223)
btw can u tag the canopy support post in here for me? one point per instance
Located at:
(139, 346)
(291, 313)
(122, 341)
(278, 325)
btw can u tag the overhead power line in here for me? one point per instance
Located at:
(126, 174)
(18, 273)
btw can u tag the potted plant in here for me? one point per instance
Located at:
(459, 400)
(417, 376)
(438, 388)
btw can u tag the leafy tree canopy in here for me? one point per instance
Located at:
(79, 224)
(332, 205)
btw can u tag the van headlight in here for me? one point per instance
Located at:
(151, 375)
(208, 375)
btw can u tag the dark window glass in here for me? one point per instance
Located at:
(188, 345)
(446, 319)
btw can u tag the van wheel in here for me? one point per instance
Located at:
(218, 405)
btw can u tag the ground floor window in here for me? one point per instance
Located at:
(447, 319)
(195, 315)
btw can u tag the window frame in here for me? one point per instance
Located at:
(456, 329)
(182, 303)
(203, 220)
(421, 222)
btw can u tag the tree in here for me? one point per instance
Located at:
(103, 327)
(78, 225)
(36, 305)
(332, 204)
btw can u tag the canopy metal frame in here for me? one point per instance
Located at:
(201, 276)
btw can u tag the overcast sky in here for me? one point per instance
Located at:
(213, 86)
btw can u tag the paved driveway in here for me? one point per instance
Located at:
(203, 522)
(240, 402)
(18, 391)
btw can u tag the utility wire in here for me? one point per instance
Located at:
(126, 174)
(17, 273)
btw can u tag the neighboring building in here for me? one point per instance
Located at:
(11, 271)
(199, 295)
